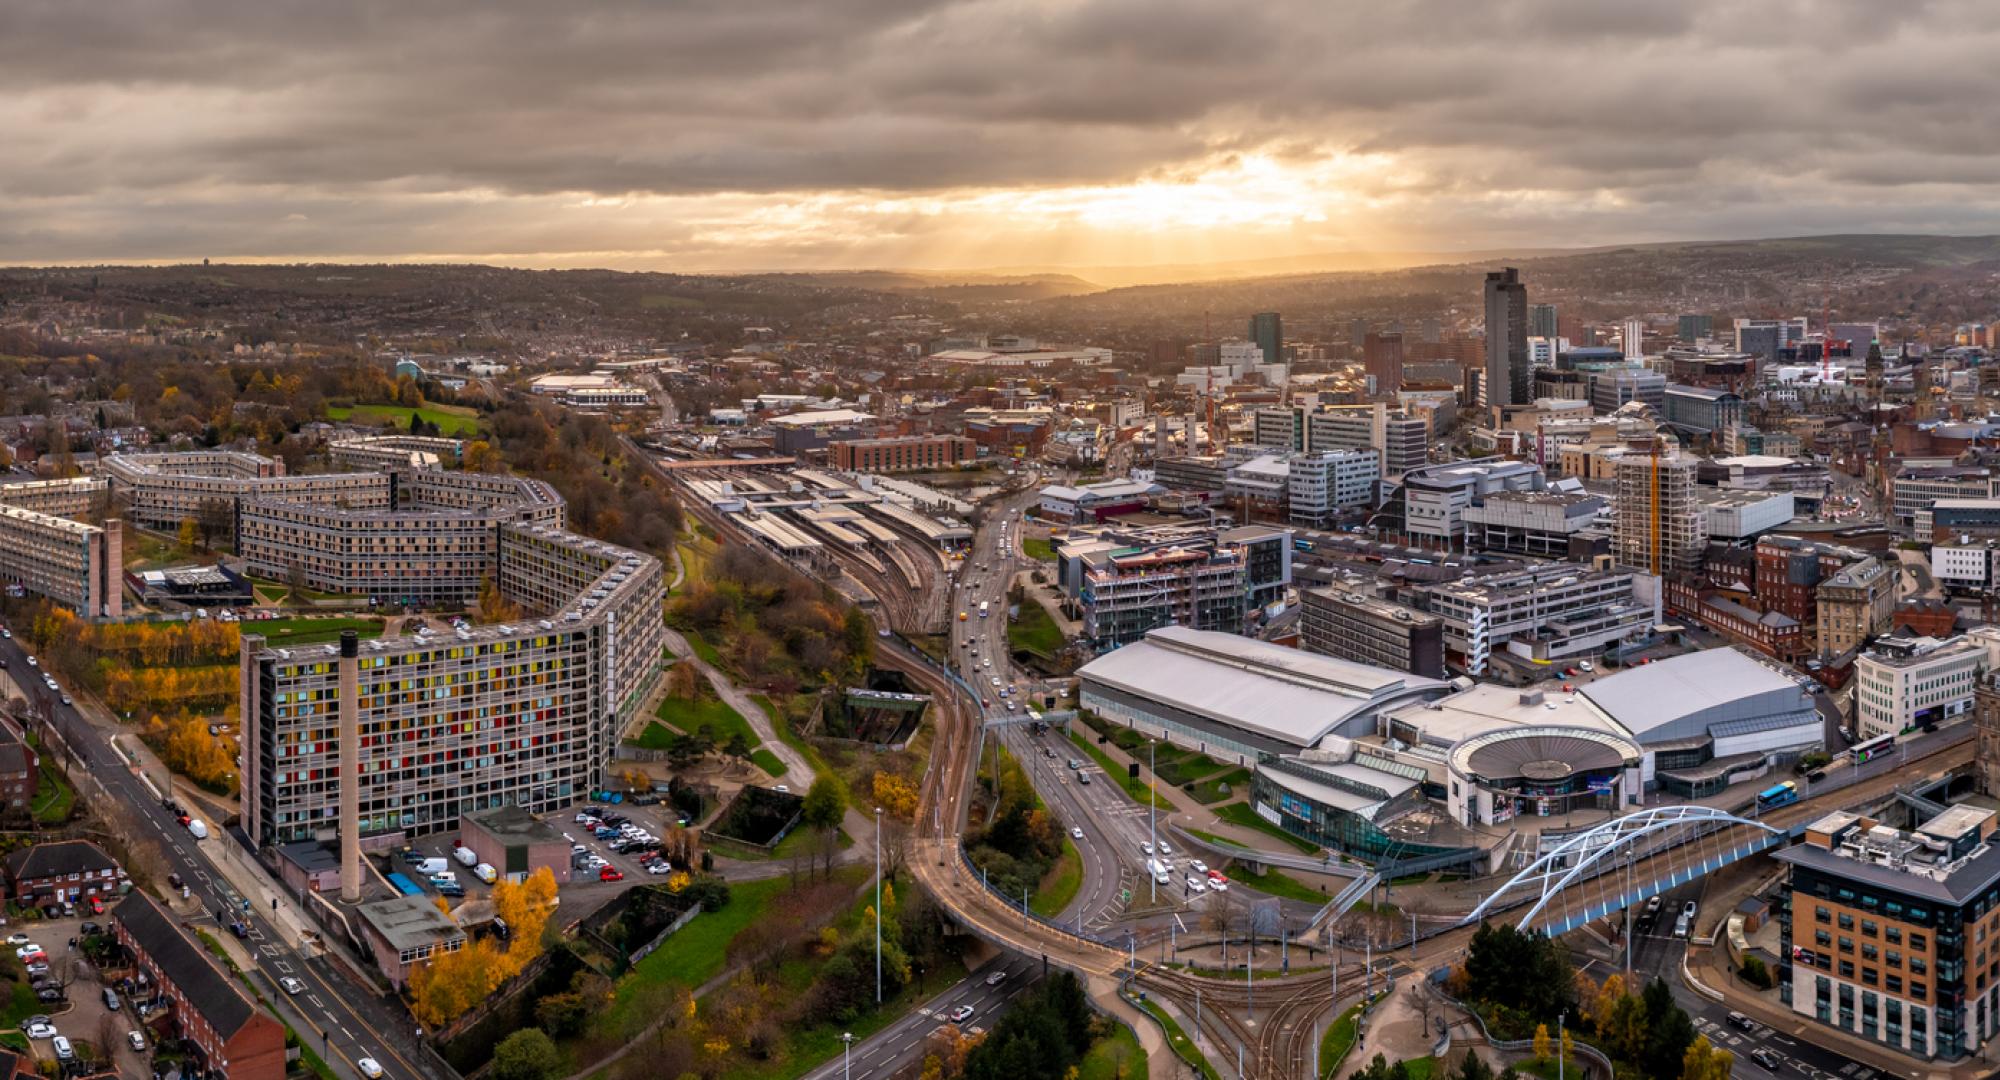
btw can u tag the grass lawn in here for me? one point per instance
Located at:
(1114, 772)
(311, 631)
(699, 951)
(1420, 1068)
(1034, 547)
(1060, 886)
(453, 420)
(144, 550)
(1179, 1041)
(809, 1045)
(1034, 631)
(1278, 883)
(1241, 814)
(1115, 1056)
(655, 737)
(21, 1004)
(706, 650)
(1210, 791)
(767, 761)
(56, 796)
(695, 552)
(782, 724)
(711, 713)
(1338, 1040)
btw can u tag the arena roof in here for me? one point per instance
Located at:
(1649, 699)
(1269, 690)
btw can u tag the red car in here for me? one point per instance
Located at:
(611, 873)
(96, 906)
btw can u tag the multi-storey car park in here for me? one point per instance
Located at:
(525, 713)
(45, 551)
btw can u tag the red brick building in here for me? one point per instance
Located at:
(1926, 618)
(1771, 632)
(907, 453)
(210, 1010)
(20, 771)
(65, 872)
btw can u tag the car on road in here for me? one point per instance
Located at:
(136, 1041)
(996, 978)
(292, 986)
(1741, 1022)
(988, 662)
(64, 1052)
(961, 1014)
(370, 1068)
(1146, 846)
(1166, 848)
(1653, 906)
(1076, 832)
(1075, 764)
(39, 1028)
(17, 939)
(1083, 778)
(1687, 910)
(996, 683)
(611, 873)
(1199, 867)
(1763, 1056)
(1195, 884)
(1217, 875)
(1585, 666)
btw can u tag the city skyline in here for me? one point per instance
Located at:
(965, 136)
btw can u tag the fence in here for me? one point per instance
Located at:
(674, 927)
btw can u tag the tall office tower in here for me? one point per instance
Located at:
(1382, 358)
(1542, 321)
(1507, 371)
(1659, 525)
(1692, 328)
(1268, 331)
(1632, 335)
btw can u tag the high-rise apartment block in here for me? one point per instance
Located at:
(1507, 371)
(1542, 321)
(1267, 330)
(1365, 629)
(1659, 525)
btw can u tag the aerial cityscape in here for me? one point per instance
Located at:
(937, 540)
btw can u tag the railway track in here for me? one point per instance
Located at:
(1277, 1042)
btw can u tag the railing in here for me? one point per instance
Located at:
(1020, 904)
(1597, 1058)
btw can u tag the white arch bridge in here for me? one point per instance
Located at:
(1625, 860)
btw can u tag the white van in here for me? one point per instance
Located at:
(486, 873)
(464, 856)
(196, 829)
(433, 867)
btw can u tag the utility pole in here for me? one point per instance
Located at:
(1153, 810)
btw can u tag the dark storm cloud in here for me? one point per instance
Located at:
(167, 128)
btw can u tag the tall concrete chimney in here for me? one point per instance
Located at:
(350, 768)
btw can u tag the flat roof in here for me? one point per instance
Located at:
(514, 823)
(410, 922)
(1267, 690)
(1485, 708)
(1645, 698)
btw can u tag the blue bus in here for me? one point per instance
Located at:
(1302, 545)
(1864, 752)
(404, 885)
(1778, 795)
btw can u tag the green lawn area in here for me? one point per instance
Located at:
(21, 1004)
(311, 631)
(1179, 1041)
(1035, 547)
(695, 552)
(1278, 883)
(767, 761)
(783, 726)
(1241, 814)
(807, 1047)
(1338, 1040)
(656, 736)
(1114, 772)
(711, 713)
(705, 649)
(1117, 1056)
(700, 950)
(1210, 791)
(453, 420)
(1034, 631)
(1179, 765)
(56, 796)
(1061, 884)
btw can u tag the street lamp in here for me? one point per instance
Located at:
(847, 1055)
(1153, 808)
(878, 905)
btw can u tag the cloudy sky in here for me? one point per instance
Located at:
(749, 134)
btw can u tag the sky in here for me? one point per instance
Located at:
(753, 134)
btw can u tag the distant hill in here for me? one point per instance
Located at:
(948, 285)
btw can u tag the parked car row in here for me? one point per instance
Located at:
(623, 837)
